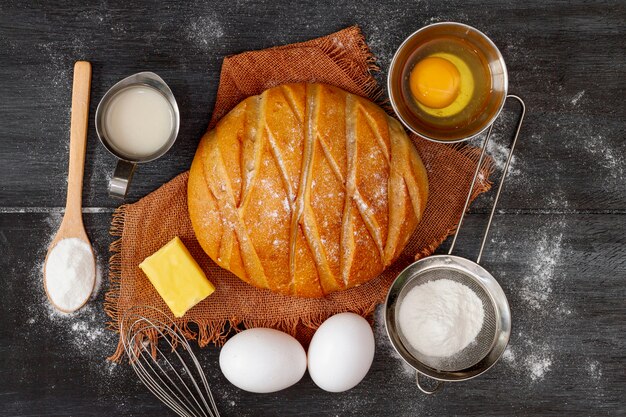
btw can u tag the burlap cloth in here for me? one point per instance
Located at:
(341, 59)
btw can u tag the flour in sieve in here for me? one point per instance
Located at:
(440, 318)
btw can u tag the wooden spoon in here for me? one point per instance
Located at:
(72, 224)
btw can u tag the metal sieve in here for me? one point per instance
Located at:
(491, 341)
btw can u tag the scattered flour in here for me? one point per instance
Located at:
(83, 332)
(226, 395)
(119, 29)
(87, 330)
(53, 222)
(577, 97)
(500, 144)
(557, 200)
(94, 16)
(509, 355)
(384, 347)
(110, 367)
(536, 289)
(204, 31)
(102, 165)
(604, 153)
(611, 159)
(594, 369)
(530, 353)
(538, 364)
(83, 329)
(382, 43)
(530, 358)
(500, 152)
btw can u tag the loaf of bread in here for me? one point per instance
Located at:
(306, 189)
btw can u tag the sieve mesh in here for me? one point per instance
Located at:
(485, 339)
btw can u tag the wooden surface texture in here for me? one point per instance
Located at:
(557, 247)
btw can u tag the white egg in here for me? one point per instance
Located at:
(341, 352)
(262, 360)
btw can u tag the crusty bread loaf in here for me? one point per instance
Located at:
(306, 189)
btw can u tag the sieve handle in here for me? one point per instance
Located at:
(500, 186)
(437, 387)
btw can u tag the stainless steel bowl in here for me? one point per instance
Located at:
(483, 46)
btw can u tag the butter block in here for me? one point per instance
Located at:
(177, 277)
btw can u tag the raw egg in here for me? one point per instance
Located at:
(435, 82)
(442, 84)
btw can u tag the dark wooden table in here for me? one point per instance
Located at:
(558, 242)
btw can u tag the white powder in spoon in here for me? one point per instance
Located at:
(440, 318)
(70, 274)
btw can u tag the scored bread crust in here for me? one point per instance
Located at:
(306, 189)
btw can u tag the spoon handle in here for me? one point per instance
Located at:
(78, 138)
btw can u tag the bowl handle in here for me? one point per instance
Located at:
(504, 172)
(425, 390)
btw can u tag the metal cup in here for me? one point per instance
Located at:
(126, 164)
(483, 46)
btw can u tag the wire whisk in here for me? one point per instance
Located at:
(173, 374)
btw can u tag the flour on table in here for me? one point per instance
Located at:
(94, 16)
(534, 360)
(604, 154)
(530, 353)
(83, 332)
(382, 43)
(384, 347)
(500, 152)
(53, 221)
(101, 172)
(577, 97)
(508, 355)
(203, 31)
(538, 364)
(500, 144)
(594, 369)
(536, 289)
(88, 332)
(83, 329)
(557, 200)
(612, 159)
(227, 394)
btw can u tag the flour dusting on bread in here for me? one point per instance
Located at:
(306, 189)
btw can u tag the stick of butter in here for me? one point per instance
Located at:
(177, 277)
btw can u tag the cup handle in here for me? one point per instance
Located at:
(118, 186)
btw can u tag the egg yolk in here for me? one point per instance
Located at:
(435, 82)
